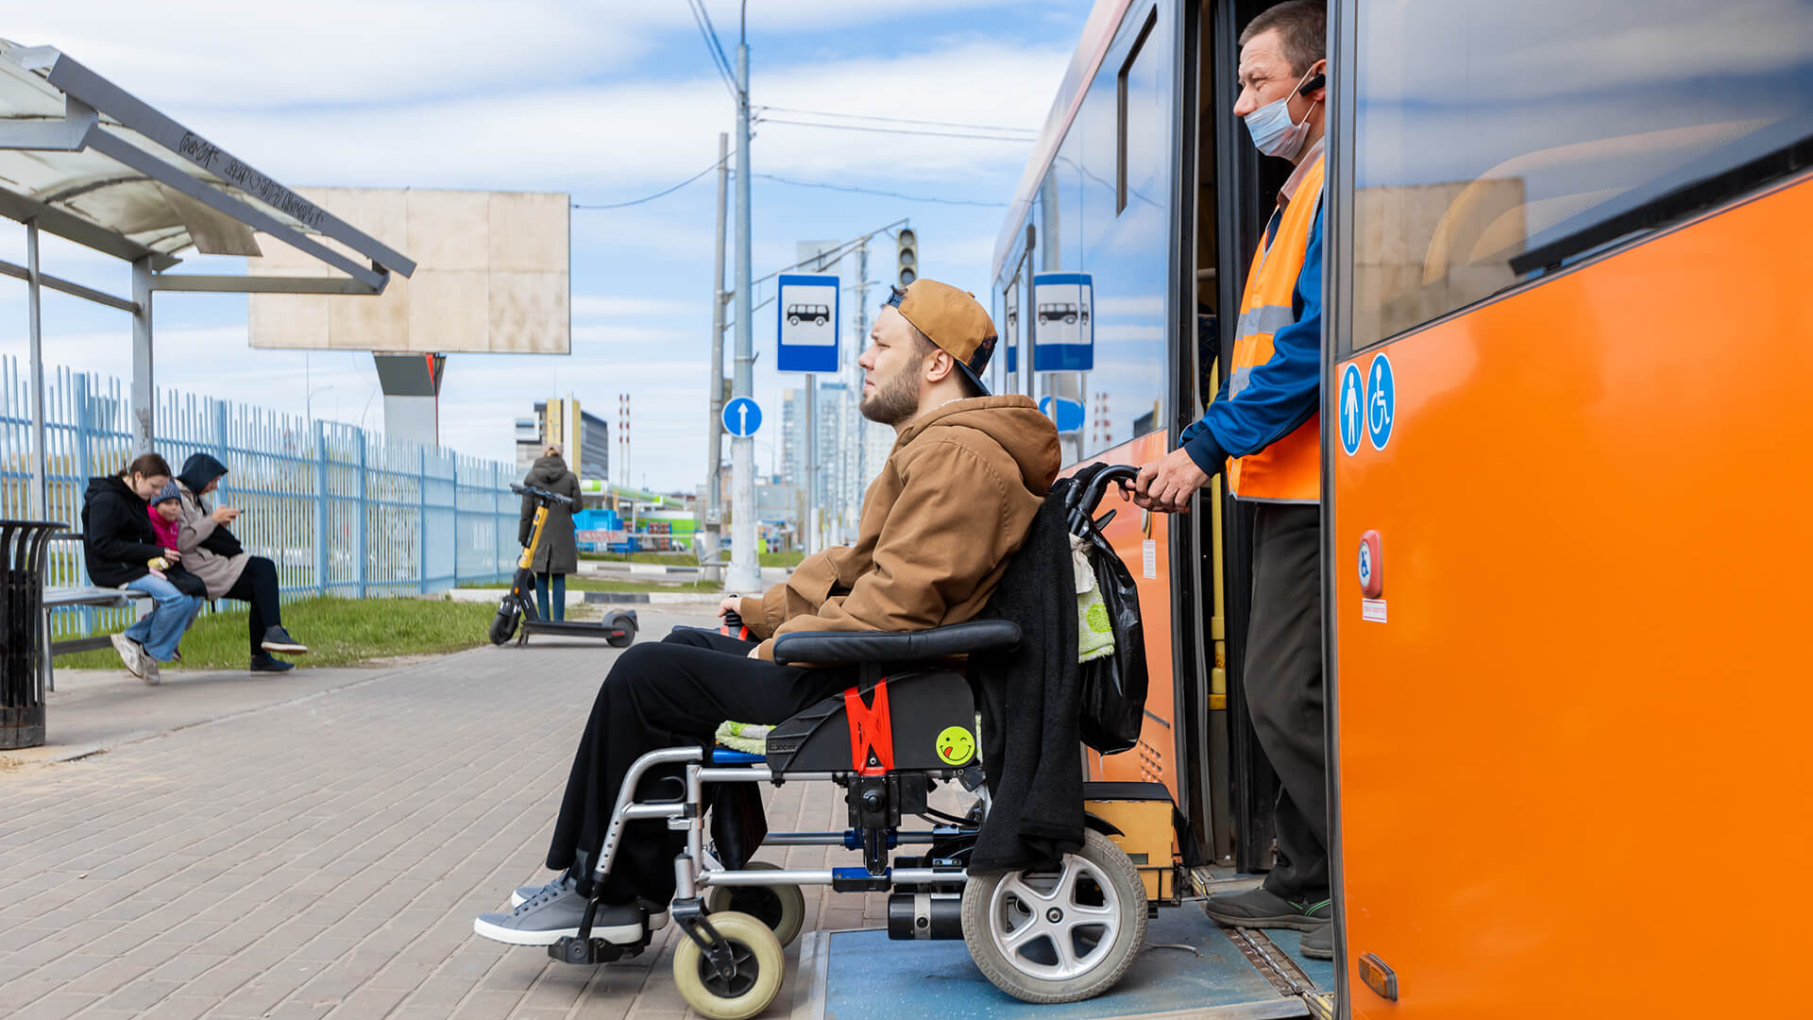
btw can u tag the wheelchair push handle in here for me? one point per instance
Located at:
(1090, 496)
(541, 494)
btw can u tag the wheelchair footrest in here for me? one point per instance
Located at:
(591, 951)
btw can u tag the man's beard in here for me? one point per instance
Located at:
(896, 398)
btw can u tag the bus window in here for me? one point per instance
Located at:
(1495, 141)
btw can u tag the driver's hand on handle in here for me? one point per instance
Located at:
(1167, 484)
(729, 605)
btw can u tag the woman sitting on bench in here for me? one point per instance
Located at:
(122, 551)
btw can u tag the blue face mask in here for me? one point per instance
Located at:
(1272, 129)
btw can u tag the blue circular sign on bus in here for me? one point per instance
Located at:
(1352, 408)
(1381, 401)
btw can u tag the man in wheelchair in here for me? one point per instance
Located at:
(951, 506)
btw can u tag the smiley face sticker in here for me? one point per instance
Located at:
(955, 745)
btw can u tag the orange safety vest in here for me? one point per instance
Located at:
(1290, 469)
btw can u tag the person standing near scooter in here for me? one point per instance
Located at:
(558, 554)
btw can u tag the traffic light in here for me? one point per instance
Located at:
(908, 255)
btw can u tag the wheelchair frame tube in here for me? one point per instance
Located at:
(627, 809)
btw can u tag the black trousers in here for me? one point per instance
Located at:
(1284, 691)
(668, 694)
(257, 586)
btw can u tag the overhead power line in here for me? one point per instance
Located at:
(649, 198)
(900, 131)
(884, 194)
(899, 120)
(713, 49)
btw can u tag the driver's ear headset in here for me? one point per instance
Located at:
(1319, 81)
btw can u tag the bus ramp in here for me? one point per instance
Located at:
(1190, 966)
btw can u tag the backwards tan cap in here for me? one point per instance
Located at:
(953, 320)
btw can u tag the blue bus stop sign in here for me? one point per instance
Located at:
(742, 417)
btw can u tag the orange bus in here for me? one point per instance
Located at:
(1566, 261)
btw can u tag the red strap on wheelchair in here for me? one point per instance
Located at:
(871, 731)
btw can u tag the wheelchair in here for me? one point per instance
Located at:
(1043, 936)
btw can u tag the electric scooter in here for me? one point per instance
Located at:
(618, 628)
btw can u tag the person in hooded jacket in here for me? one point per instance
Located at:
(122, 551)
(963, 483)
(558, 553)
(214, 555)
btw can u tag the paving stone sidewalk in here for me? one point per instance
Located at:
(323, 854)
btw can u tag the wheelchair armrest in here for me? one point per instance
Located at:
(896, 646)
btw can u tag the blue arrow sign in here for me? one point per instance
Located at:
(1353, 395)
(1381, 402)
(742, 417)
(1069, 416)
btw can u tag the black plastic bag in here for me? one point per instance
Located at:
(1113, 686)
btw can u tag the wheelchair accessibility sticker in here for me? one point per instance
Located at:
(955, 745)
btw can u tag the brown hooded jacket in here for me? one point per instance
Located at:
(950, 507)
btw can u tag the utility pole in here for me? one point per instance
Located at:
(745, 567)
(715, 446)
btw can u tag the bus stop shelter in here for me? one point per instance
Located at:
(85, 160)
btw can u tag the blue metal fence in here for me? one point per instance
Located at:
(339, 510)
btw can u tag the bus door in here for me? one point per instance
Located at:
(1234, 194)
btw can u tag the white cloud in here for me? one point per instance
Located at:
(641, 133)
(587, 306)
(348, 51)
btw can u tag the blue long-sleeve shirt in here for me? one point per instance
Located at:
(1279, 395)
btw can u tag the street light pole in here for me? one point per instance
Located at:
(745, 568)
(714, 447)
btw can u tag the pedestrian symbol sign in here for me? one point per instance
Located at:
(1381, 401)
(1353, 393)
(742, 417)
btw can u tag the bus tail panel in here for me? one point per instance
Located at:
(1584, 682)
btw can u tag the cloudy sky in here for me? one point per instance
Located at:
(610, 101)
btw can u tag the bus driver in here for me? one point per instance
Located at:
(1264, 427)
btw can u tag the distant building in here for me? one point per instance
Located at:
(532, 436)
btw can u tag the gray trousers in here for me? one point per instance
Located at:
(1283, 684)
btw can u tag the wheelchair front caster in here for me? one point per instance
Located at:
(1058, 936)
(781, 907)
(756, 980)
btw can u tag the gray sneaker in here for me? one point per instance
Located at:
(152, 675)
(1259, 908)
(555, 912)
(132, 654)
(1320, 944)
(657, 915)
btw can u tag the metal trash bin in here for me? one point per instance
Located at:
(22, 545)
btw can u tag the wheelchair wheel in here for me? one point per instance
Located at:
(1058, 936)
(781, 907)
(760, 964)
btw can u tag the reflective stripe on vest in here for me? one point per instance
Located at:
(1290, 469)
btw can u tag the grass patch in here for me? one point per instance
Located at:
(672, 559)
(784, 558)
(577, 583)
(339, 632)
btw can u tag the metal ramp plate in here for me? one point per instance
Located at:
(863, 975)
